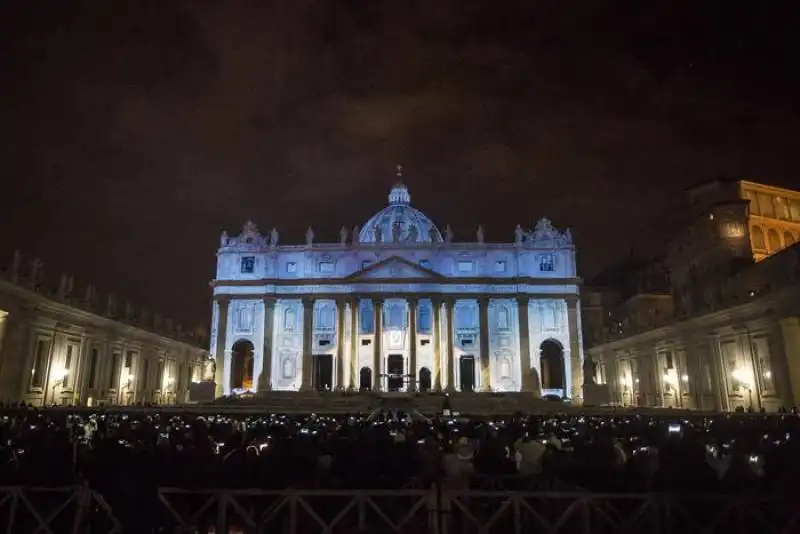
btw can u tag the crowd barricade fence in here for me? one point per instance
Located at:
(79, 509)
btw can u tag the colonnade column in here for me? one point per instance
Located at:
(308, 334)
(219, 358)
(353, 341)
(412, 341)
(483, 326)
(449, 307)
(574, 348)
(437, 345)
(265, 380)
(340, 312)
(376, 356)
(524, 344)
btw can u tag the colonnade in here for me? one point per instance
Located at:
(444, 343)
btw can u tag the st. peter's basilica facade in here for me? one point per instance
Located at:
(398, 305)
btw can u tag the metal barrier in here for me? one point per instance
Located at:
(75, 509)
(473, 512)
(78, 509)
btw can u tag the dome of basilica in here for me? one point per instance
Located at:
(399, 222)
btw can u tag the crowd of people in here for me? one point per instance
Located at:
(391, 449)
(127, 455)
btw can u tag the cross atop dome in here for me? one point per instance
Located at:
(399, 196)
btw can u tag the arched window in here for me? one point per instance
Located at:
(424, 313)
(774, 240)
(325, 317)
(395, 316)
(288, 367)
(289, 319)
(757, 236)
(365, 317)
(502, 318)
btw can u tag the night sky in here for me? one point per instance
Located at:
(133, 133)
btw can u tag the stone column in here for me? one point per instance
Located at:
(354, 304)
(483, 332)
(576, 366)
(376, 356)
(219, 358)
(449, 308)
(306, 383)
(524, 344)
(265, 381)
(340, 313)
(436, 304)
(412, 343)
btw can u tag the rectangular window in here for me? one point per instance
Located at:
(113, 373)
(326, 267)
(499, 266)
(128, 359)
(291, 267)
(464, 266)
(40, 363)
(546, 263)
(766, 206)
(93, 361)
(248, 264)
(794, 209)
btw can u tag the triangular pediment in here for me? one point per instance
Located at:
(395, 267)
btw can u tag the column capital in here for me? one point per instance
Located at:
(308, 300)
(271, 299)
(378, 300)
(483, 300)
(572, 301)
(222, 299)
(412, 299)
(523, 300)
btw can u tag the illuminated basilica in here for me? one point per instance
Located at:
(398, 306)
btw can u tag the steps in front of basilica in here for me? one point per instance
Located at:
(428, 404)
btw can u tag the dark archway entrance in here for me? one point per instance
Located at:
(242, 362)
(323, 372)
(365, 379)
(551, 362)
(466, 372)
(424, 379)
(394, 372)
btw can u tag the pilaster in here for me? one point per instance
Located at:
(576, 365)
(308, 334)
(340, 314)
(265, 380)
(790, 335)
(222, 337)
(524, 343)
(354, 305)
(412, 343)
(483, 332)
(377, 355)
(436, 304)
(449, 309)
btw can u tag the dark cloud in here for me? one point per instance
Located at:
(132, 133)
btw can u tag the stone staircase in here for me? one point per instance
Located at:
(481, 404)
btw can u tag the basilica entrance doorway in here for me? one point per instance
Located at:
(242, 365)
(395, 372)
(466, 373)
(365, 379)
(551, 363)
(323, 372)
(424, 379)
